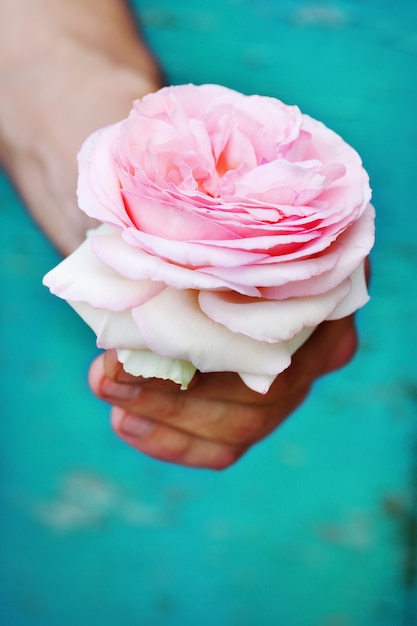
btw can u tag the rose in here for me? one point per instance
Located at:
(232, 226)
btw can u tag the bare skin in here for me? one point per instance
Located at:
(218, 418)
(82, 65)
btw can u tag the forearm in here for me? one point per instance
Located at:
(31, 31)
(81, 65)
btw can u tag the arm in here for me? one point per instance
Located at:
(81, 66)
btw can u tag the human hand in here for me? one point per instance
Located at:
(218, 419)
(81, 67)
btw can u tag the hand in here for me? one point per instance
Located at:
(81, 67)
(214, 422)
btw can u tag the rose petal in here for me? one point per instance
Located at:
(356, 298)
(283, 280)
(257, 382)
(114, 329)
(82, 276)
(271, 320)
(278, 280)
(151, 216)
(98, 187)
(262, 383)
(195, 253)
(150, 365)
(135, 264)
(282, 182)
(173, 325)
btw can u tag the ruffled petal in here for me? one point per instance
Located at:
(308, 276)
(150, 365)
(194, 253)
(134, 263)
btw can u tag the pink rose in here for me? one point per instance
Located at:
(232, 226)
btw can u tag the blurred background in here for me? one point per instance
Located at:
(316, 526)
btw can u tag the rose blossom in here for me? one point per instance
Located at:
(232, 226)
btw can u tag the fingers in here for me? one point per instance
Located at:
(224, 421)
(331, 346)
(169, 444)
(218, 418)
(181, 427)
(137, 418)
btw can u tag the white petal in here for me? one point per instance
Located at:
(270, 320)
(150, 365)
(172, 324)
(113, 329)
(83, 277)
(356, 298)
(258, 383)
(262, 383)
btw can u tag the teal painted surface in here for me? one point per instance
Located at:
(317, 525)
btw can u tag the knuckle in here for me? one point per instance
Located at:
(163, 406)
(169, 445)
(248, 424)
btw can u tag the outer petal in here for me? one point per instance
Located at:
(356, 298)
(82, 277)
(261, 383)
(271, 320)
(98, 182)
(114, 329)
(134, 263)
(282, 280)
(200, 253)
(353, 189)
(173, 325)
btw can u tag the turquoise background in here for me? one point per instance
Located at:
(316, 526)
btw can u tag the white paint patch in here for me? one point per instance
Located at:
(87, 500)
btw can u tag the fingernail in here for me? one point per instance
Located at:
(110, 389)
(136, 426)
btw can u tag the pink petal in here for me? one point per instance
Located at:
(134, 264)
(151, 216)
(195, 254)
(277, 279)
(98, 182)
(272, 276)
